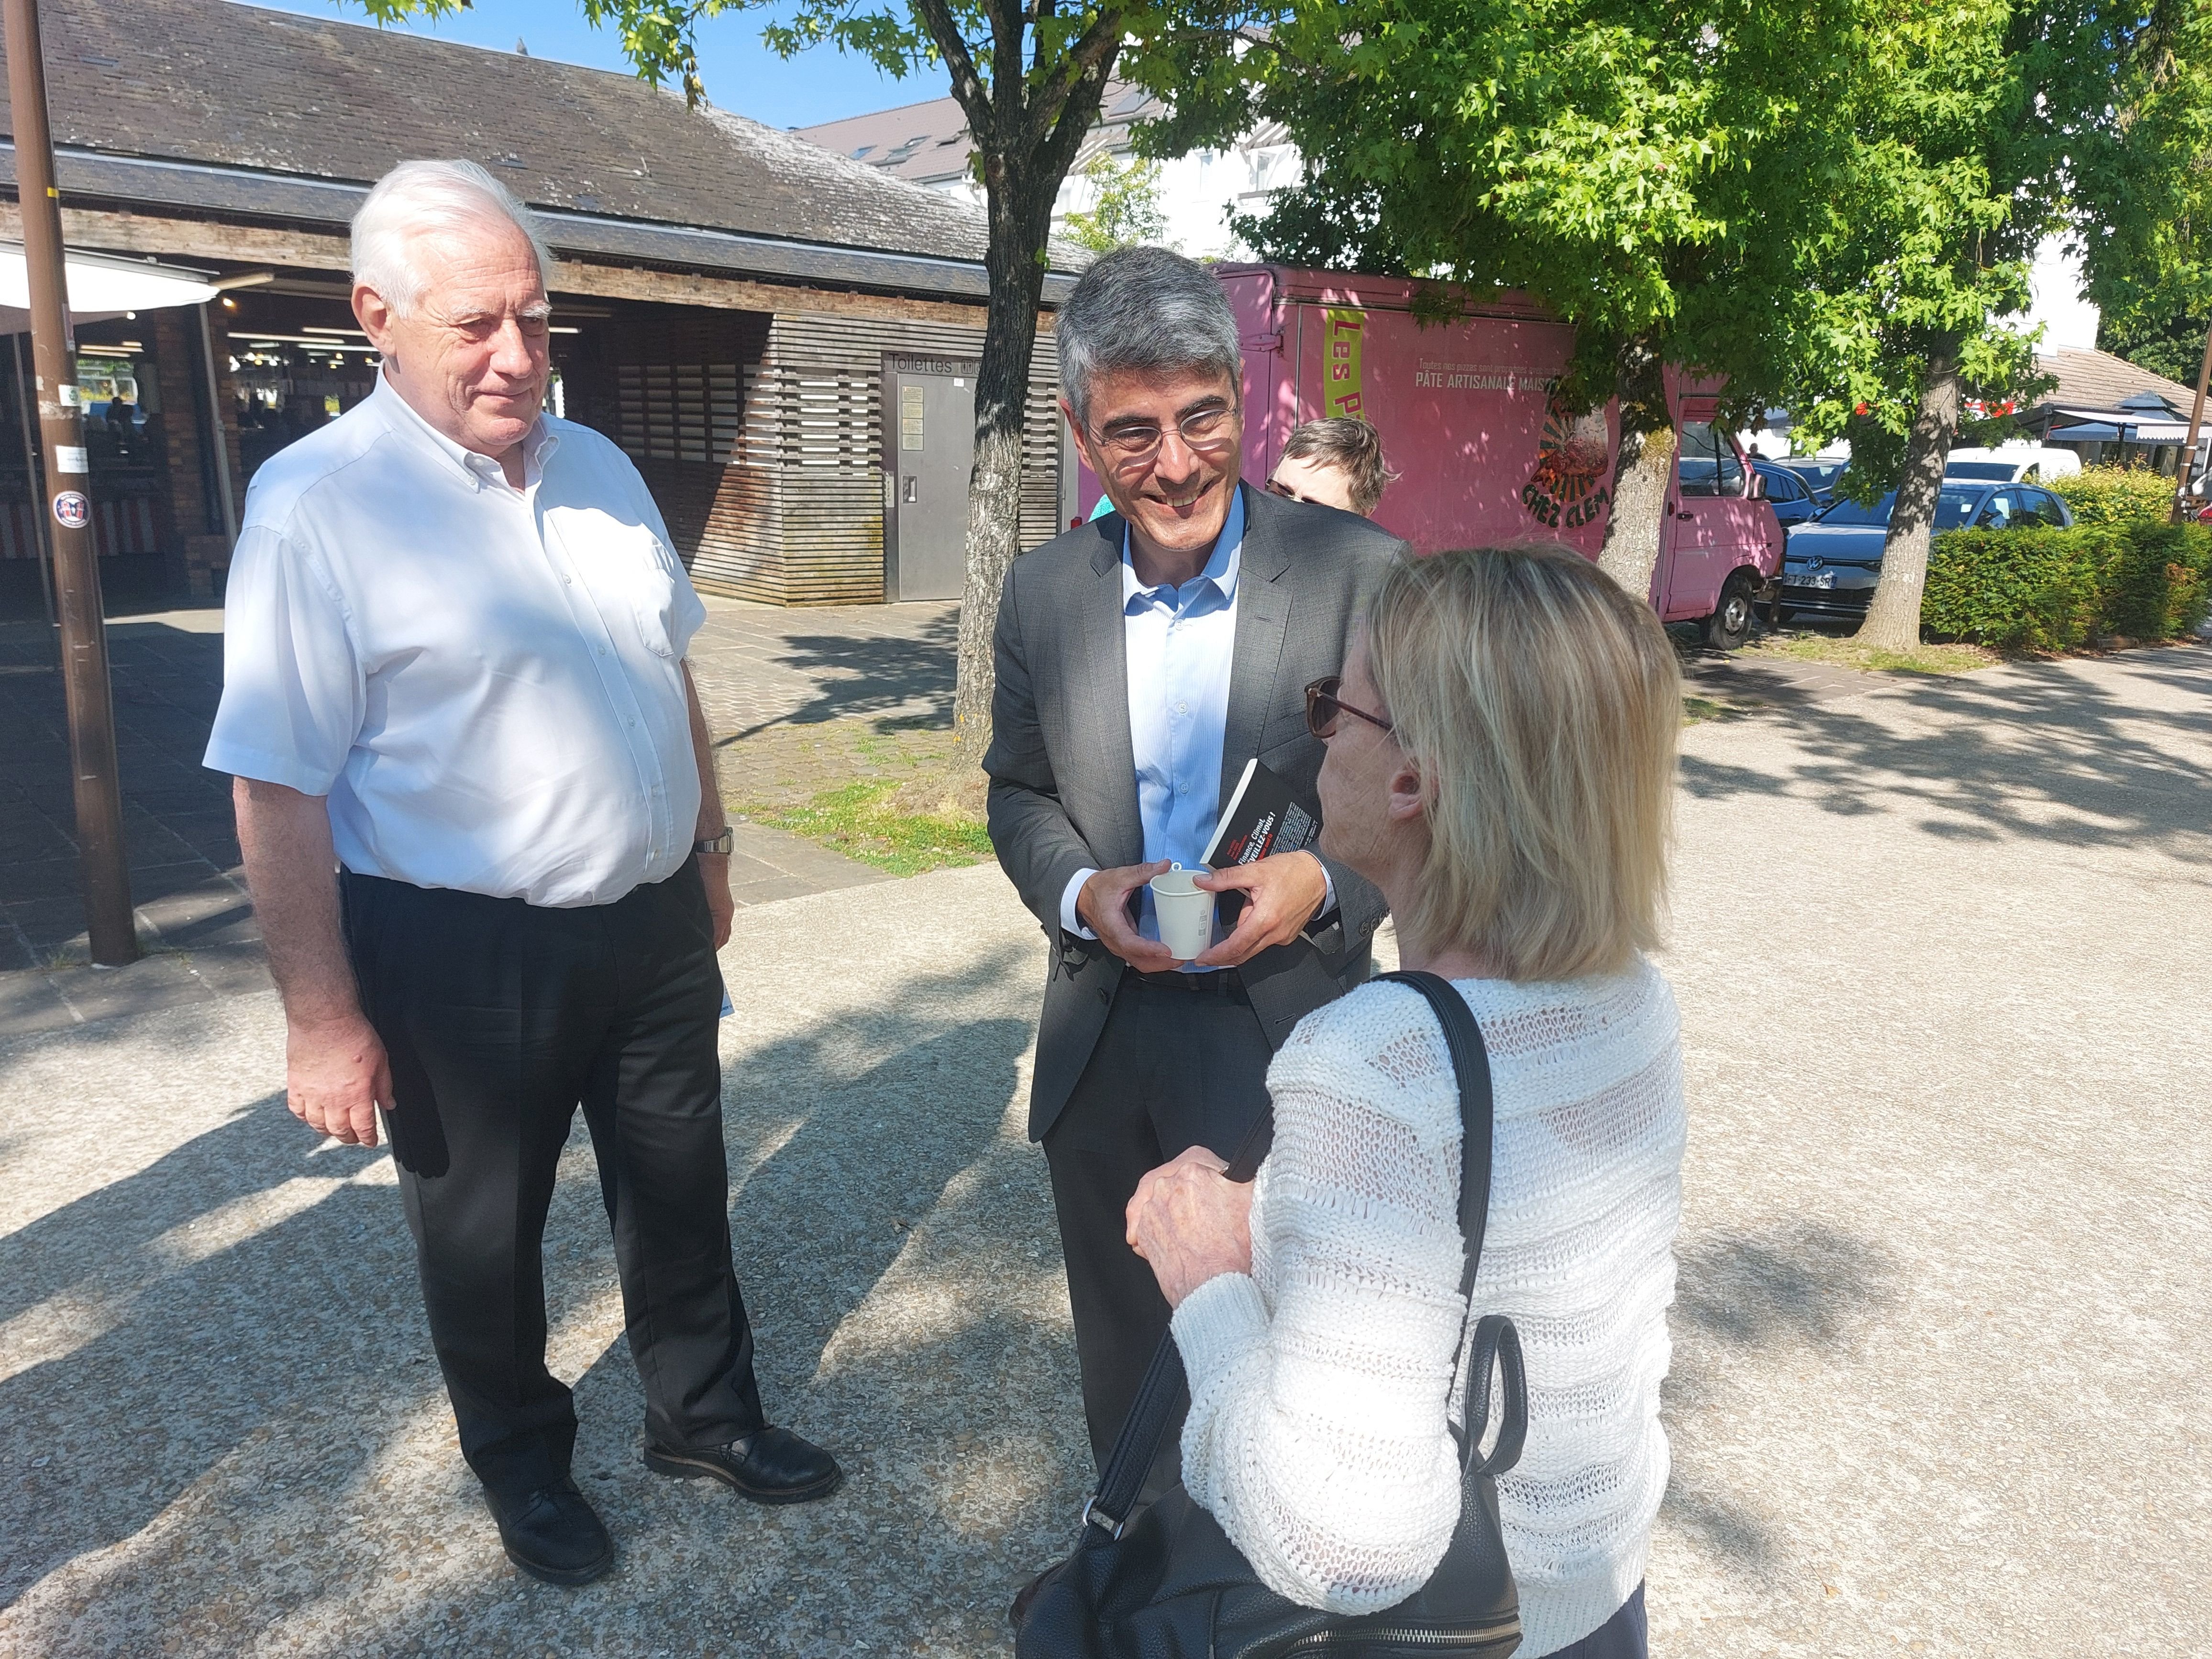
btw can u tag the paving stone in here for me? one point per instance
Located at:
(1939, 1373)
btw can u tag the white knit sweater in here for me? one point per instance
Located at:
(1316, 1434)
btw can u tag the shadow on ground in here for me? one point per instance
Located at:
(861, 675)
(1798, 1286)
(240, 1437)
(2035, 753)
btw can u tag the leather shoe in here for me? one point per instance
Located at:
(770, 1466)
(551, 1533)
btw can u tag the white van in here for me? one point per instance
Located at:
(2011, 463)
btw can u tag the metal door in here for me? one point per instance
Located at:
(931, 422)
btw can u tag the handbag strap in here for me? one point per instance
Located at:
(1496, 1345)
(1470, 1063)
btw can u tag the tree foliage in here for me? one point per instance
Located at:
(1125, 207)
(1634, 166)
(2147, 235)
(1991, 125)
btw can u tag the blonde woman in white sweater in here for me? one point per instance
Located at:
(1500, 762)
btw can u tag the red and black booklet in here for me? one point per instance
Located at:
(1261, 819)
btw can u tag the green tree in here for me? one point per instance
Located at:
(1028, 78)
(1125, 204)
(1635, 166)
(1993, 124)
(2171, 344)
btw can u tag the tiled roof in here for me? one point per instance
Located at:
(927, 144)
(216, 83)
(2098, 380)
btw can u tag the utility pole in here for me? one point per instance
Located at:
(76, 567)
(2182, 499)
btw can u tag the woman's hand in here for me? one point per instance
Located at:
(1191, 1223)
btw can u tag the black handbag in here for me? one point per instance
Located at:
(1169, 1584)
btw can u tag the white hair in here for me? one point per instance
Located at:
(419, 198)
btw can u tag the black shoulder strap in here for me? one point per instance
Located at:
(1470, 1058)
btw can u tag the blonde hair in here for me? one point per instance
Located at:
(1541, 705)
(420, 198)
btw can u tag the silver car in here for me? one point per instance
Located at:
(1830, 566)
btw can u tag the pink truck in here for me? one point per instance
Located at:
(1484, 452)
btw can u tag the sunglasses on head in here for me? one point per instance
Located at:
(1324, 708)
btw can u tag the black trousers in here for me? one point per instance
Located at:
(1173, 1069)
(499, 1017)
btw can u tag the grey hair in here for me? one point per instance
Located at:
(1148, 309)
(418, 198)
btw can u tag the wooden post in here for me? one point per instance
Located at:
(76, 567)
(2181, 496)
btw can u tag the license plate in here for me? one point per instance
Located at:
(1809, 578)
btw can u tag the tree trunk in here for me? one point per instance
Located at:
(1643, 471)
(1021, 221)
(1893, 621)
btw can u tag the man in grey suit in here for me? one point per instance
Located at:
(1143, 659)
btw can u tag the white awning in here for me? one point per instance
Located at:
(100, 286)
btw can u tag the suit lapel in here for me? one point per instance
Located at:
(1263, 618)
(1100, 716)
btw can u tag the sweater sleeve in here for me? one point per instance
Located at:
(1317, 1434)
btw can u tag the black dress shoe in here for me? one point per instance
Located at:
(770, 1466)
(551, 1533)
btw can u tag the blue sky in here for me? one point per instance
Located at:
(822, 84)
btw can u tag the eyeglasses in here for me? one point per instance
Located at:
(1324, 707)
(1206, 430)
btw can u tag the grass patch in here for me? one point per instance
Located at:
(861, 820)
(1695, 709)
(1806, 646)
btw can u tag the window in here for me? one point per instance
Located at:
(1708, 464)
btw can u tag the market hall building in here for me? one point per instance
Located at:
(784, 340)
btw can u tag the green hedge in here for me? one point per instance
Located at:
(2053, 590)
(2116, 494)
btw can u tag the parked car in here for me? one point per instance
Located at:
(1831, 566)
(1820, 475)
(1788, 493)
(2012, 465)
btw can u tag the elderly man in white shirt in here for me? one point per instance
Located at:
(477, 806)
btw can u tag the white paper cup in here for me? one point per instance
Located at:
(1186, 913)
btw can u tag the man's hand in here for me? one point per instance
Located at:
(336, 1075)
(714, 876)
(1103, 905)
(1191, 1223)
(1281, 895)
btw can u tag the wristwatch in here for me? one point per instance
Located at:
(720, 843)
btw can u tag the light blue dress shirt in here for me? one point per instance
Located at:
(1180, 643)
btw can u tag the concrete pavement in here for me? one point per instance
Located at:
(1939, 1380)
(756, 665)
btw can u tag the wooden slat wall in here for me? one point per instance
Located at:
(760, 438)
(826, 374)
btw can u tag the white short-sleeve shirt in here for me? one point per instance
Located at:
(486, 683)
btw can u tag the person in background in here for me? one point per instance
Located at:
(1143, 660)
(1501, 763)
(476, 800)
(1333, 463)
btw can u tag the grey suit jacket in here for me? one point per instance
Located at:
(1064, 773)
